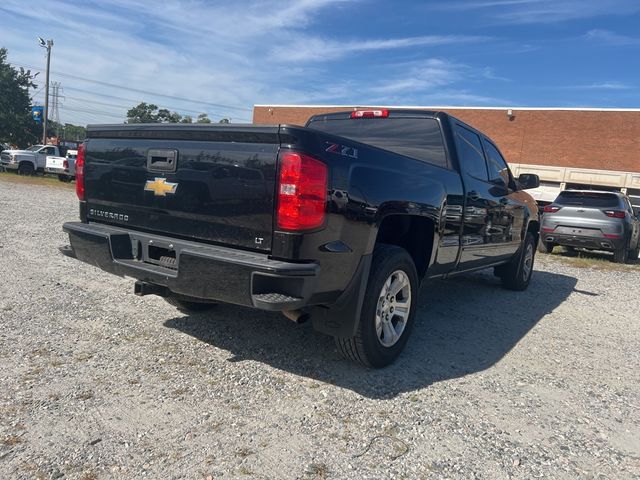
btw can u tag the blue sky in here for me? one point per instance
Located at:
(222, 57)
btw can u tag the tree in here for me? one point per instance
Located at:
(224, 120)
(16, 123)
(203, 118)
(186, 119)
(143, 113)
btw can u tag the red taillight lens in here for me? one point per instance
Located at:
(550, 209)
(302, 192)
(65, 164)
(370, 114)
(615, 213)
(80, 172)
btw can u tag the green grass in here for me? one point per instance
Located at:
(590, 259)
(39, 179)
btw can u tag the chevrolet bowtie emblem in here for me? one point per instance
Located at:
(160, 187)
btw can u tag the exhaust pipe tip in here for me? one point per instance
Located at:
(297, 316)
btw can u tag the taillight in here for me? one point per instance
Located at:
(370, 114)
(302, 192)
(65, 164)
(550, 208)
(80, 172)
(615, 213)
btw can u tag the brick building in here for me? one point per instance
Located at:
(567, 148)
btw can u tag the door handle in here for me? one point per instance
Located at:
(473, 195)
(162, 160)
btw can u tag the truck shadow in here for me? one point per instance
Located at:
(464, 325)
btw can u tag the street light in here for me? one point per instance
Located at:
(48, 44)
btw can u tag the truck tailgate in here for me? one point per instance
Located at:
(209, 182)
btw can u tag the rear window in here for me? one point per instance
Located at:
(418, 138)
(586, 199)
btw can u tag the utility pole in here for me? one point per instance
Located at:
(55, 107)
(48, 44)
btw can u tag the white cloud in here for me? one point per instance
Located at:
(603, 86)
(611, 38)
(317, 49)
(543, 11)
(229, 54)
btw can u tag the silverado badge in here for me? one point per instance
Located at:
(160, 187)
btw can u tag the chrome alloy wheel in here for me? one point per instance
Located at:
(527, 264)
(394, 305)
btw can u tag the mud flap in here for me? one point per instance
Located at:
(341, 319)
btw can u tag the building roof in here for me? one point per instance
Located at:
(448, 107)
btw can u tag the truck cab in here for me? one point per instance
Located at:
(30, 160)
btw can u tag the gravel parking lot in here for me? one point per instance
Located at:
(98, 383)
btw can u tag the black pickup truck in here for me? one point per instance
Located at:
(339, 221)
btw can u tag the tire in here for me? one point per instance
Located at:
(378, 340)
(186, 306)
(545, 247)
(25, 168)
(64, 178)
(621, 255)
(517, 273)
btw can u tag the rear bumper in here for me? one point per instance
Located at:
(201, 271)
(57, 171)
(596, 243)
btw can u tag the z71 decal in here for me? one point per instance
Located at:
(342, 150)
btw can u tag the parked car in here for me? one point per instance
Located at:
(29, 161)
(594, 220)
(64, 167)
(355, 210)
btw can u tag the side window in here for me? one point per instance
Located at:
(470, 150)
(48, 150)
(498, 169)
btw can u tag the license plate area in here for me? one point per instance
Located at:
(160, 254)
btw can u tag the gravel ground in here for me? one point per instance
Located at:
(98, 383)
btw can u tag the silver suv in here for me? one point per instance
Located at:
(593, 220)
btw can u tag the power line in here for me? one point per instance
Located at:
(93, 112)
(212, 113)
(146, 92)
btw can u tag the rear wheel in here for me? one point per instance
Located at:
(25, 168)
(621, 255)
(64, 178)
(517, 273)
(388, 309)
(186, 306)
(545, 247)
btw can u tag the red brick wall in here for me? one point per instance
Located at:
(603, 140)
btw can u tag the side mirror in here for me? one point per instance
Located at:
(528, 180)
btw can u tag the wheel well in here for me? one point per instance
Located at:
(413, 233)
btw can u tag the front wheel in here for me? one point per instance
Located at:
(517, 273)
(25, 168)
(388, 309)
